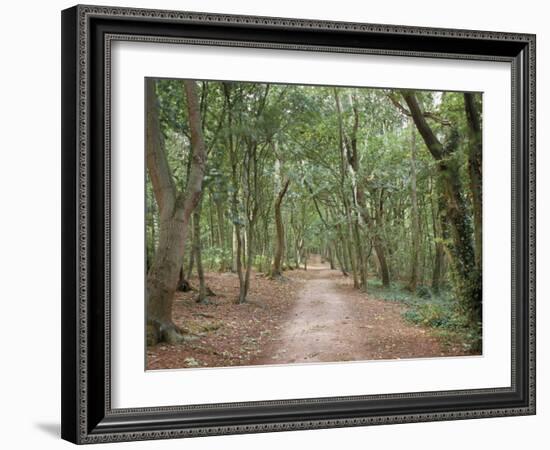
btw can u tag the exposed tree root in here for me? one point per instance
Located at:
(204, 299)
(168, 332)
(184, 286)
(277, 277)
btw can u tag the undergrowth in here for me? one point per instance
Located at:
(438, 312)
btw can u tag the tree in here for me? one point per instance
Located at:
(197, 249)
(467, 273)
(440, 233)
(349, 164)
(474, 167)
(175, 208)
(279, 245)
(415, 235)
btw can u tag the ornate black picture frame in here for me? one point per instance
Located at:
(87, 34)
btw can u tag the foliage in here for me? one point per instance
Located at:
(346, 155)
(439, 312)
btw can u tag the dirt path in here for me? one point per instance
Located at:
(331, 321)
(311, 316)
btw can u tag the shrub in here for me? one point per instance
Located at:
(423, 292)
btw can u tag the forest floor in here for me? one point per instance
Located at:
(307, 316)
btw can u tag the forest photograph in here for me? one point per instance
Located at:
(294, 224)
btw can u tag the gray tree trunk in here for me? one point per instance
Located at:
(415, 238)
(474, 169)
(467, 273)
(175, 210)
(202, 297)
(276, 270)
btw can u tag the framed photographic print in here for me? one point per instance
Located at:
(278, 224)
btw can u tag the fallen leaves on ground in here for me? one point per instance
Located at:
(227, 334)
(257, 332)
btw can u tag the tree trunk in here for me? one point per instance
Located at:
(377, 240)
(191, 264)
(348, 167)
(280, 236)
(381, 256)
(361, 262)
(437, 270)
(467, 274)
(287, 254)
(221, 233)
(175, 211)
(441, 234)
(298, 247)
(352, 248)
(474, 169)
(237, 244)
(202, 297)
(151, 216)
(234, 247)
(424, 230)
(339, 250)
(331, 257)
(415, 238)
(237, 239)
(345, 254)
(244, 287)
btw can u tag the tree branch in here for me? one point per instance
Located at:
(190, 197)
(406, 112)
(434, 146)
(471, 112)
(157, 164)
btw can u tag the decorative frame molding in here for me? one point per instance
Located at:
(87, 34)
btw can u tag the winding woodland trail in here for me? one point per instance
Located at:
(312, 315)
(331, 321)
